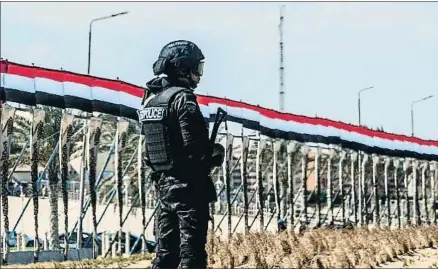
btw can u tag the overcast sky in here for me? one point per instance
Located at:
(332, 50)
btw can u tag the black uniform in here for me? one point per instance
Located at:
(179, 151)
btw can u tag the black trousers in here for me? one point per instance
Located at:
(181, 226)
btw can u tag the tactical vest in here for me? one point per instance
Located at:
(163, 147)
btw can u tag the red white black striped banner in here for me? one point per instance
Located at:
(32, 86)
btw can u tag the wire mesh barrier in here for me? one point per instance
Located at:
(308, 172)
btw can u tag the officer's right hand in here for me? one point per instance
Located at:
(218, 155)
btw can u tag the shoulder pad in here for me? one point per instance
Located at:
(171, 92)
(146, 101)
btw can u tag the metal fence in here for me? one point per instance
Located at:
(308, 185)
(262, 180)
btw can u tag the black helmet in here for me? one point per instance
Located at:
(178, 57)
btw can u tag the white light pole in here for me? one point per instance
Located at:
(89, 33)
(358, 101)
(412, 110)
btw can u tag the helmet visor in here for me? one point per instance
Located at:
(199, 69)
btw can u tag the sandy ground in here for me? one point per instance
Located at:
(423, 258)
(141, 264)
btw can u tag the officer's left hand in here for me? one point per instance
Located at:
(218, 155)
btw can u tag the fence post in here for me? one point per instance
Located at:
(397, 191)
(64, 159)
(362, 198)
(122, 128)
(244, 175)
(82, 191)
(93, 141)
(406, 180)
(375, 203)
(387, 192)
(318, 185)
(142, 185)
(304, 163)
(275, 181)
(260, 189)
(341, 184)
(291, 149)
(353, 192)
(434, 183)
(425, 211)
(228, 167)
(417, 216)
(37, 123)
(7, 122)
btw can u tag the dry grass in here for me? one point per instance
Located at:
(321, 248)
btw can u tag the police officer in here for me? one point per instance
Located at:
(180, 154)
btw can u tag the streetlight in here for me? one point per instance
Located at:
(412, 110)
(89, 33)
(81, 188)
(358, 100)
(362, 182)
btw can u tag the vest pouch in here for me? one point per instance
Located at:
(158, 147)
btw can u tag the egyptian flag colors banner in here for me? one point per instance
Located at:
(30, 85)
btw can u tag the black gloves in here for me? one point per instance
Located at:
(218, 155)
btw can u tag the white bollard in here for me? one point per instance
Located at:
(46, 242)
(103, 243)
(23, 241)
(143, 244)
(128, 243)
(18, 242)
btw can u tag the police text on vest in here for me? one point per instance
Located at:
(151, 114)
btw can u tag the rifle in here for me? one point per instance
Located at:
(218, 151)
(220, 117)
